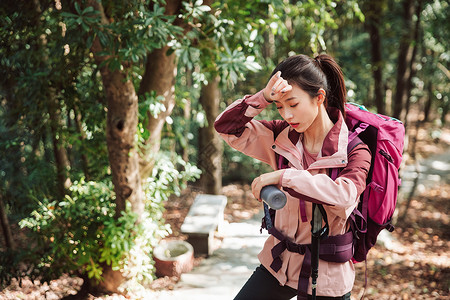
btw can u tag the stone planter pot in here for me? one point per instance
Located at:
(173, 258)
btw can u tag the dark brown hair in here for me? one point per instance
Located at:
(313, 74)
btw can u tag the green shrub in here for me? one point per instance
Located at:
(70, 234)
(80, 234)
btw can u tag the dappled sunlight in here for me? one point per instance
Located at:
(108, 135)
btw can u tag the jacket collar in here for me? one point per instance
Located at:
(334, 149)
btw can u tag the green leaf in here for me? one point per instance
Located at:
(77, 8)
(88, 10)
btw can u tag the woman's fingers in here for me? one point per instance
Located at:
(271, 178)
(282, 87)
(256, 189)
(276, 88)
(268, 89)
(286, 88)
(274, 78)
(281, 91)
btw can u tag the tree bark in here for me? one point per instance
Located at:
(373, 10)
(404, 60)
(61, 158)
(413, 65)
(446, 105)
(9, 241)
(159, 76)
(84, 159)
(445, 110)
(428, 102)
(187, 116)
(160, 72)
(210, 144)
(54, 111)
(268, 48)
(121, 127)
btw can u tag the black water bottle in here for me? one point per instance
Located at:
(273, 197)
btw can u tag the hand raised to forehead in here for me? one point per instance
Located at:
(276, 88)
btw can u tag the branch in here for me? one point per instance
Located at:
(443, 69)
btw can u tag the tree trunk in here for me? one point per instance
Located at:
(159, 76)
(84, 159)
(413, 65)
(9, 241)
(61, 158)
(160, 72)
(268, 47)
(445, 110)
(446, 104)
(404, 60)
(210, 144)
(373, 11)
(428, 102)
(54, 111)
(121, 127)
(187, 116)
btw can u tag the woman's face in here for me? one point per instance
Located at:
(298, 108)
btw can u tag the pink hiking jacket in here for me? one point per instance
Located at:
(266, 141)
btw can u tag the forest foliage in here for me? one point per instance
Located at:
(104, 108)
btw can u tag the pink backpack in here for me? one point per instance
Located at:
(385, 138)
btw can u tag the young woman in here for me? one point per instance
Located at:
(302, 149)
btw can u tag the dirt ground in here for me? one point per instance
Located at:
(415, 265)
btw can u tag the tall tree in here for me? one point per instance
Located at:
(121, 127)
(210, 144)
(413, 62)
(9, 241)
(54, 111)
(159, 76)
(221, 64)
(82, 138)
(373, 12)
(405, 56)
(59, 149)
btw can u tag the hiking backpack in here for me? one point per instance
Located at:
(385, 138)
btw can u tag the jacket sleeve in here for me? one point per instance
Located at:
(251, 137)
(342, 193)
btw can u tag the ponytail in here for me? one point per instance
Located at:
(311, 75)
(336, 93)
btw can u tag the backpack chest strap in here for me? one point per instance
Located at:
(337, 249)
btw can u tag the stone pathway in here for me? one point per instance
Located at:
(221, 275)
(431, 171)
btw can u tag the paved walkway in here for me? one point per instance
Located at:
(222, 275)
(431, 171)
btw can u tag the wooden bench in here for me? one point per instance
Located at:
(204, 217)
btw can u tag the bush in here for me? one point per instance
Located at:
(71, 235)
(80, 234)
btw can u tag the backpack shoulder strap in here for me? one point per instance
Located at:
(355, 141)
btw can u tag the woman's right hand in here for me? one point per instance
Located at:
(276, 88)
